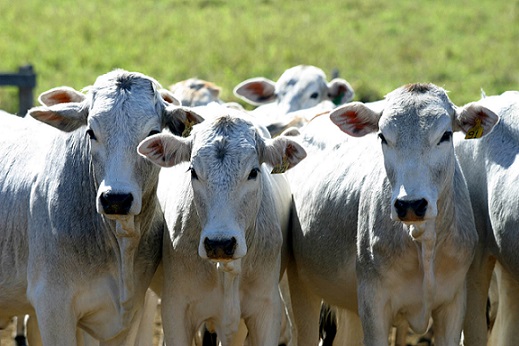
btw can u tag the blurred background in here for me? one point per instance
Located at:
(461, 45)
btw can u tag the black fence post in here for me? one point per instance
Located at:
(25, 80)
(25, 92)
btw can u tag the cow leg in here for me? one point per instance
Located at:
(145, 335)
(179, 329)
(478, 282)
(306, 308)
(33, 331)
(448, 321)
(56, 320)
(287, 315)
(265, 325)
(401, 334)
(373, 313)
(349, 329)
(507, 318)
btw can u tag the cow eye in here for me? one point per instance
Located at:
(314, 95)
(153, 132)
(91, 134)
(446, 137)
(253, 174)
(382, 138)
(193, 173)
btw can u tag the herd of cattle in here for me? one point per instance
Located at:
(398, 213)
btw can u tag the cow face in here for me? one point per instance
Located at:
(415, 131)
(300, 87)
(119, 111)
(195, 92)
(229, 162)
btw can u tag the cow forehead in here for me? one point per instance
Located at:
(227, 140)
(124, 99)
(301, 77)
(417, 108)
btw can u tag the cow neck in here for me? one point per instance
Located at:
(426, 245)
(431, 232)
(127, 233)
(231, 311)
(128, 236)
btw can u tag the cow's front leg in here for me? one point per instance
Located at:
(264, 324)
(448, 320)
(374, 312)
(179, 328)
(478, 283)
(57, 321)
(306, 307)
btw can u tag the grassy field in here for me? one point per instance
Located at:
(376, 45)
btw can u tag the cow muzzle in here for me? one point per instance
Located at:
(116, 203)
(220, 249)
(411, 210)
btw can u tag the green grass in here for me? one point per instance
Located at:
(376, 45)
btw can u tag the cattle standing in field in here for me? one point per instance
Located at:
(300, 87)
(492, 171)
(226, 215)
(80, 226)
(386, 226)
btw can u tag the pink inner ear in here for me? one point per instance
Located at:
(47, 116)
(61, 97)
(256, 88)
(354, 122)
(156, 148)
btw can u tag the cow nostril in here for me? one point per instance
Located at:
(419, 207)
(401, 208)
(116, 203)
(220, 248)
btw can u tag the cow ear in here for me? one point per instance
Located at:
(475, 120)
(59, 95)
(340, 91)
(180, 120)
(282, 153)
(63, 116)
(165, 150)
(356, 119)
(256, 91)
(213, 89)
(169, 97)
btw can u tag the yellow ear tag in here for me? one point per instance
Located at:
(188, 127)
(476, 131)
(282, 167)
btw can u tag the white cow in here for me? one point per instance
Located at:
(226, 215)
(385, 223)
(300, 87)
(194, 92)
(491, 168)
(80, 225)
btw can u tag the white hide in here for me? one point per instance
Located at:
(300, 87)
(81, 229)
(491, 168)
(354, 243)
(220, 188)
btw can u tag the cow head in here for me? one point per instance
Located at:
(415, 131)
(298, 88)
(117, 112)
(196, 92)
(230, 161)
